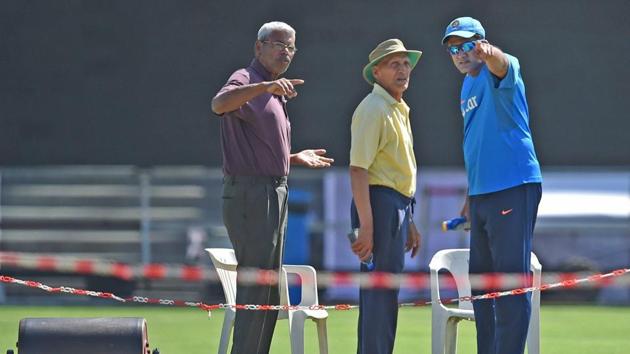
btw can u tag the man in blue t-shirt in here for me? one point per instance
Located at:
(504, 179)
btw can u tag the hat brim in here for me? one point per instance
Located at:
(414, 56)
(463, 34)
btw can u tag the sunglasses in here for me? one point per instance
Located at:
(464, 47)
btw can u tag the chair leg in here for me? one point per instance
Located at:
(296, 332)
(226, 331)
(533, 334)
(438, 334)
(451, 336)
(322, 335)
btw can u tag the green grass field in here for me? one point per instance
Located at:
(565, 329)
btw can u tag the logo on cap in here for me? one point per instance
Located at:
(455, 23)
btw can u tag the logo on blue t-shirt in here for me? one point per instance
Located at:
(468, 105)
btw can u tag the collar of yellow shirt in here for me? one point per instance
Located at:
(379, 90)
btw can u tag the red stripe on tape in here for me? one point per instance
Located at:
(154, 271)
(492, 281)
(122, 271)
(268, 277)
(342, 279)
(10, 259)
(416, 281)
(46, 263)
(380, 280)
(192, 273)
(84, 267)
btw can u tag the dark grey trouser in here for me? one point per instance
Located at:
(255, 215)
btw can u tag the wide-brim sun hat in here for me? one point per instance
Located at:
(390, 46)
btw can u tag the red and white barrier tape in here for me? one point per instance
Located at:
(104, 267)
(568, 283)
(269, 277)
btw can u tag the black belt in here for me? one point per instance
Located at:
(255, 180)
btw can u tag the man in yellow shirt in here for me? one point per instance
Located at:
(383, 177)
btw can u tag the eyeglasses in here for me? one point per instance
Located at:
(281, 46)
(464, 47)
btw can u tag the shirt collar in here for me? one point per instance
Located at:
(260, 69)
(379, 90)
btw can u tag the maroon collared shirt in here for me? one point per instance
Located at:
(256, 138)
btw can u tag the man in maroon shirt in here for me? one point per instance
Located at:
(256, 144)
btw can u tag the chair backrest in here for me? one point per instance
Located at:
(307, 280)
(454, 261)
(535, 264)
(225, 263)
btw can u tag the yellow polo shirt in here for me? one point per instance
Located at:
(382, 142)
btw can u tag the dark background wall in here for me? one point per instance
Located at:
(129, 82)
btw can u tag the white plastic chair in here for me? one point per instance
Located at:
(444, 319)
(298, 317)
(225, 263)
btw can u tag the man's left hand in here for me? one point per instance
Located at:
(496, 60)
(313, 158)
(413, 240)
(483, 49)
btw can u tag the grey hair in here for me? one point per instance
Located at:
(266, 29)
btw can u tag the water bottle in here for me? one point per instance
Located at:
(460, 223)
(352, 236)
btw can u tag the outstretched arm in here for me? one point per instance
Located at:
(494, 57)
(233, 99)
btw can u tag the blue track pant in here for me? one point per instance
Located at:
(502, 227)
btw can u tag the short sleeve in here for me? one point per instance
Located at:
(366, 135)
(509, 81)
(238, 78)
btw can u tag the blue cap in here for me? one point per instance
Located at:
(465, 27)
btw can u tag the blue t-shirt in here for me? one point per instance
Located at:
(498, 147)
